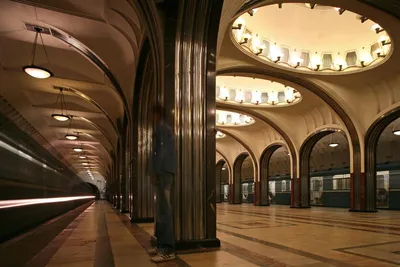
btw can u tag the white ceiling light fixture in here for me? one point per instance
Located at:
(252, 12)
(239, 96)
(332, 143)
(340, 63)
(78, 149)
(256, 97)
(289, 94)
(82, 157)
(63, 108)
(377, 28)
(71, 136)
(273, 97)
(395, 131)
(340, 10)
(264, 39)
(223, 93)
(32, 69)
(365, 57)
(219, 135)
(232, 119)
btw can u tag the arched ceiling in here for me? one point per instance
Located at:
(92, 48)
(363, 96)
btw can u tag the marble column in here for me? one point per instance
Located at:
(189, 98)
(142, 135)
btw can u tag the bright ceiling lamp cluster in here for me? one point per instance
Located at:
(309, 58)
(255, 92)
(32, 69)
(232, 119)
(219, 135)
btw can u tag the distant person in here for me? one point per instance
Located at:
(162, 171)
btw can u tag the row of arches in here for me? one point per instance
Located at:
(324, 176)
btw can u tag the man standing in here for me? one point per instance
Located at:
(162, 172)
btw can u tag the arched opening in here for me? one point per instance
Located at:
(219, 170)
(275, 176)
(324, 170)
(243, 180)
(247, 180)
(388, 167)
(95, 190)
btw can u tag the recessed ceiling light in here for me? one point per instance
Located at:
(61, 117)
(333, 144)
(71, 137)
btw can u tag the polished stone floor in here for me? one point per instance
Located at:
(250, 236)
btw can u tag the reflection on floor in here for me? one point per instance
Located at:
(250, 236)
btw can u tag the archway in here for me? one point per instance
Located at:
(247, 180)
(95, 190)
(238, 171)
(324, 170)
(275, 176)
(382, 163)
(221, 173)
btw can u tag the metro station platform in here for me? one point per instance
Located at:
(96, 235)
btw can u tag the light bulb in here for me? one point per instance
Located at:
(273, 97)
(256, 97)
(235, 118)
(223, 93)
(275, 52)
(289, 94)
(340, 63)
(222, 117)
(239, 96)
(365, 57)
(316, 61)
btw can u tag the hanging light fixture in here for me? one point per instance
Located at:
(235, 118)
(377, 28)
(340, 10)
(70, 136)
(395, 131)
(32, 69)
(275, 53)
(78, 149)
(82, 157)
(332, 143)
(61, 116)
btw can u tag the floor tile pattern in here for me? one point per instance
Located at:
(274, 236)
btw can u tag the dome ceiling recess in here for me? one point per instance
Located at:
(232, 119)
(316, 38)
(253, 92)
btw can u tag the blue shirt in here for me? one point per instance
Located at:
(163, 158)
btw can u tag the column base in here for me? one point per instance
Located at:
(366, 211)
(142, 220)
(193, 244)
(297, 207)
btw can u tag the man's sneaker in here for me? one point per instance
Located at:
(153, 250)
(163, 257)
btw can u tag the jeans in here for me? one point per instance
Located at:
(164, 223)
